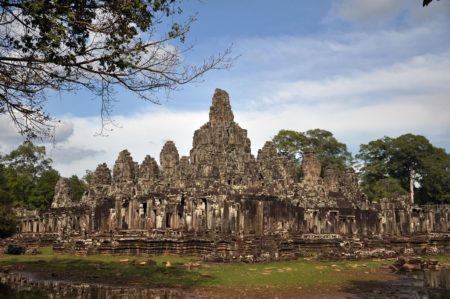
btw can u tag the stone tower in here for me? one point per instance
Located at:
(169, 160)
(221, 150)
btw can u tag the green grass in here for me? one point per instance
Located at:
(289, 274)
(108, 268)
(307, 274)
(442, 259)
(48, 254)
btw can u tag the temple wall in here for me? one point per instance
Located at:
(238, 217)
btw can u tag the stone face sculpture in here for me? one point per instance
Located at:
(311, 168)
(148, 175)
(63, 194)
(99, 187)
(102, 175)
(169, 160)
(124, 169)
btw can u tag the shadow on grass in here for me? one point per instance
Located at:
(10, 293)
(404, 287)
(114, 273)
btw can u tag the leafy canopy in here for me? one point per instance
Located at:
(93, 44)
(77, 187)
(29, 178)
(390, 165)
(7, 219)
(330, 151)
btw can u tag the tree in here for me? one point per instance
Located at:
(7, 219)
(97, 45)
(87, 178)
(384, 188)
(78, 187)
(330, 151)
(408, 161)
(30, 178)
(44, 190)
(28, 158)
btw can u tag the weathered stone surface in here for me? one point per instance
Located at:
(102, 175)
(149, 169)
(221, 151)
(274, 170)
(124, 169)
(220, 113)
(311, 168)
(331, 179)
(169, 159)
(63, 194)
(125, 173)
(100, 186)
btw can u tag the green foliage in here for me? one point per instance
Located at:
(7, 219)
(30, 179)
(397, 161)
(7, 222)
(28, 158)
(78, 187)
(290, 143)
(330, 151)
(44, 190)
(88, 176)
(384, 188)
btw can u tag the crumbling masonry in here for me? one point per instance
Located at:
(223, 203)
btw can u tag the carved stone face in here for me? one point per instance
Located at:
(102, 175)
(169, 159)
(220, 112)
(311, 167)
(124, 168)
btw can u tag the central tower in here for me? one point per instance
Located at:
(221, 150)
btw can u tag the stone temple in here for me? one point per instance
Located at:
(225, 204)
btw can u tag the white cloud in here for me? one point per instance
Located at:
(331, 54)
(8, 136)
(367, 10)
(379, 13)
(63, 131)
(69, 155)
(426, 74)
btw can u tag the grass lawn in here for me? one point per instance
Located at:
(305, 274)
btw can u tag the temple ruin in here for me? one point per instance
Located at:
(225, 204)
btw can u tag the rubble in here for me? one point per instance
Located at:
(414, 264)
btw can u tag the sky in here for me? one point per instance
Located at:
(362, 69)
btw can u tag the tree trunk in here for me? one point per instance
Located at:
(411, 186)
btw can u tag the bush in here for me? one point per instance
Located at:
(15, 249)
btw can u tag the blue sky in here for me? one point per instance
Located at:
(361, 69)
